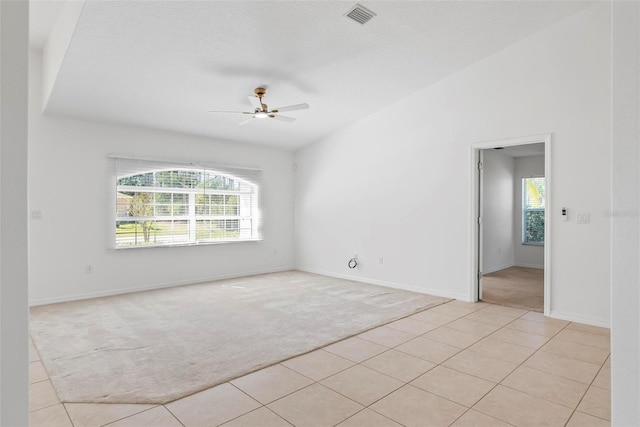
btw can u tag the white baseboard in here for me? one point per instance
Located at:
(401, 286)
(493, 270)
(587, 320)
(77, 297)
(530, 266)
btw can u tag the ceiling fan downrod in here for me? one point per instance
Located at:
(260, 93)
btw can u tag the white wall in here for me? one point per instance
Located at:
(625, 216)
(525, 255)
(497, 211)
(14, 323)
(397, 184)
(70, 182)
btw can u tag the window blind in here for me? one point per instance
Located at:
(161, 203)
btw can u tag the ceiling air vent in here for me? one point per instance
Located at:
(360, 14)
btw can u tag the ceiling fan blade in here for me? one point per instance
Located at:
(255, 102)
(293, 107)
(236, 112)
(244, 122)
(284, 118)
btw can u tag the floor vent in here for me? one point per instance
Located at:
(360, 14)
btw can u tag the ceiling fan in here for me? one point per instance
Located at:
(261, 110)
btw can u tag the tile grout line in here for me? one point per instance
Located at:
(363, 409)
(399, 379)
(587, 390)
(66, 411)
(173, 415)
(324, 378)
(257, 409)
(132, 415)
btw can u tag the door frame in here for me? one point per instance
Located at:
(475, 211)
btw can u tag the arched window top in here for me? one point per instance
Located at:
(160, 204)
(184, 178)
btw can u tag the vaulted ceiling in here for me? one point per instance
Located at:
(165, 64)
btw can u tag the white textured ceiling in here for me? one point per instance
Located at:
(165, 64)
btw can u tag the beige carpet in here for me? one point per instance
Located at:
(519, 287)
(158, 346)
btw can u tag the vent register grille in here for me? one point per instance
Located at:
(360, 14)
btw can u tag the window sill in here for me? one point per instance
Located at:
(532, 244)
(181, 245)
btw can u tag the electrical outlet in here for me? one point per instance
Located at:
(381, 260)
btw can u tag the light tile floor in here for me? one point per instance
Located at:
(457, 364)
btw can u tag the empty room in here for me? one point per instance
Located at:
(319, 213)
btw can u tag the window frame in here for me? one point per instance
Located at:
(524, 210)
(247, 208)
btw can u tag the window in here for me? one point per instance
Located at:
(533, 211)
(164, 204)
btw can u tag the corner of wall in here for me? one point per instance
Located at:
(56, 47)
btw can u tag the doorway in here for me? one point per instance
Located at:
(510, 232)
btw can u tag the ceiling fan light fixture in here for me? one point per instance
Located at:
(261, 115)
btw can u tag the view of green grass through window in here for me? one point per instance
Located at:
(161, 204)
(533, 210)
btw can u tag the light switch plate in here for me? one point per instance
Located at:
(582, 218)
